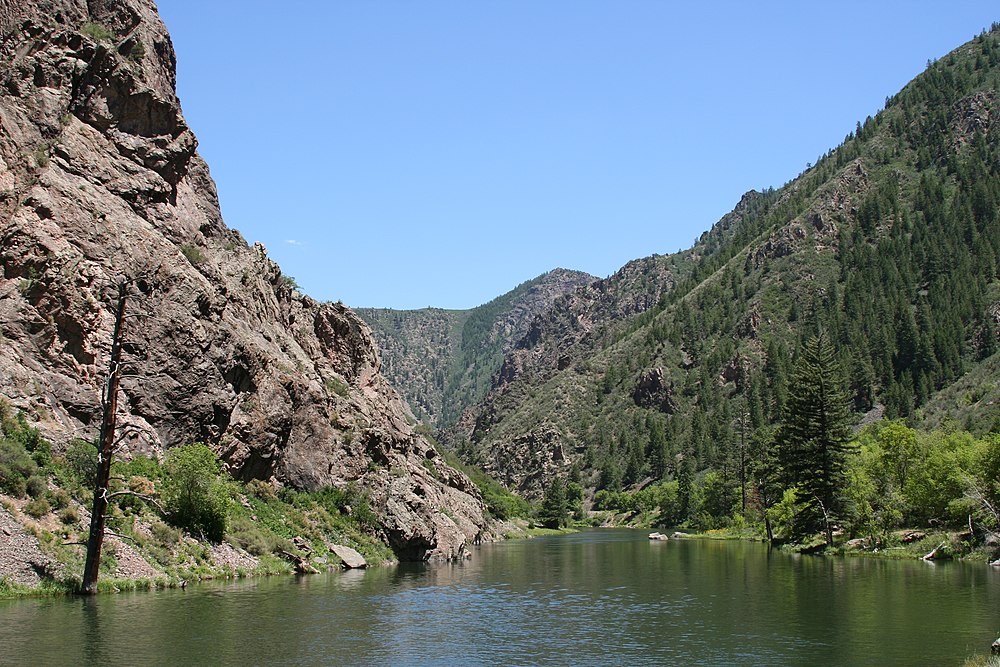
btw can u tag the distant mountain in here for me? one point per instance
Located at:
(890, 244)
(443, 361)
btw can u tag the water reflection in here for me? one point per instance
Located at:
(600, 597)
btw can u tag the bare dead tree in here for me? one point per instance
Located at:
(109, 407)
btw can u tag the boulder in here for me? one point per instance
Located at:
(351, 558)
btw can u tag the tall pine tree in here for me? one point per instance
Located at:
(815, 435)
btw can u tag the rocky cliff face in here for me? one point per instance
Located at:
(99, 180)
(571, 327)
(444, 361)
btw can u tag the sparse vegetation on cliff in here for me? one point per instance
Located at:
(213, 526)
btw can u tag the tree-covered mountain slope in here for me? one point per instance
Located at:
(443, 361)
(889, 245)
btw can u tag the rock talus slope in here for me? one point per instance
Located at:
(100, 179)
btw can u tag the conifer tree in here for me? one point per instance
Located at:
(555, 505)
(814, 438)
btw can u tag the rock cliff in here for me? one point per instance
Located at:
(444, 361)
(100, 179)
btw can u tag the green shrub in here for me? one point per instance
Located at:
(36, 486)
(81, 459)
(258, 488)
(96, 31)
(13, 484)
(41, 156)
(195, 490)
(192, 253)
(59, 499)
(16, 466)
(137, 52)
(69, 516)
(247, 534)
(166, 535)
(337, 386)
(37, 508)
(16, 428)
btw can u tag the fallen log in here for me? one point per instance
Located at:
(302, 565)
(933, 554)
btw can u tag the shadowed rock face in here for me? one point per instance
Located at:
(99, 179)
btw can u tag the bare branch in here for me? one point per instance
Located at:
(122, 537)
(148, 499)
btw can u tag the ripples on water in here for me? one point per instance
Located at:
(596, 598)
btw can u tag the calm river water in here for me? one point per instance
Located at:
(601, 597)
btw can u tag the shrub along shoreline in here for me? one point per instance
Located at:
(179, 520)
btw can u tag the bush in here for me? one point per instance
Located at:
(96, 31)
(36, 486)
(195, 491)
(192, 253)
(59, 499)
(69, 516)
(164, 534)
(37, 508)
(137, 52)
(16, 466)
(261, 490)
(81, 459)
(255, 539)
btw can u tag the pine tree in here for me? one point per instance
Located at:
(814, 438)
(555, 505)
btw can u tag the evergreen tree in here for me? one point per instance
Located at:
(685, 478)
(555, 505)
(814, 438)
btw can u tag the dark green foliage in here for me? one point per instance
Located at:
(81, 460)
(196, 492)
(21, 450)
(192, 253)
(902, 281)
(815, 436)
(137, 52)
(37, 508)
(69, 516)
(554, 512)
(36, 486)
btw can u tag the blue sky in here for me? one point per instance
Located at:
(409, 154)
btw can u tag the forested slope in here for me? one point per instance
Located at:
(888, 245)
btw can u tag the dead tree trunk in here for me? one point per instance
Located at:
(109, 405)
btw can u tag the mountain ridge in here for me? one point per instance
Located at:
(442, 360)
(863, 244)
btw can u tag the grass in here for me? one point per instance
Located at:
(192, 253)
(538, 531)
(96, 31)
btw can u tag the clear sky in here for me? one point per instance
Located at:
(408, 154)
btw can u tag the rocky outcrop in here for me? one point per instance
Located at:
(572, 327)
(99, 180)
(443, 361)
(528, 462)
(654, 390)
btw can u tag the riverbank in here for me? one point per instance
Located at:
(901, 544)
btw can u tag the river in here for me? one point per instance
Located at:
(599, 597)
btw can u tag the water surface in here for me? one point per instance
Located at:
(594, 598)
